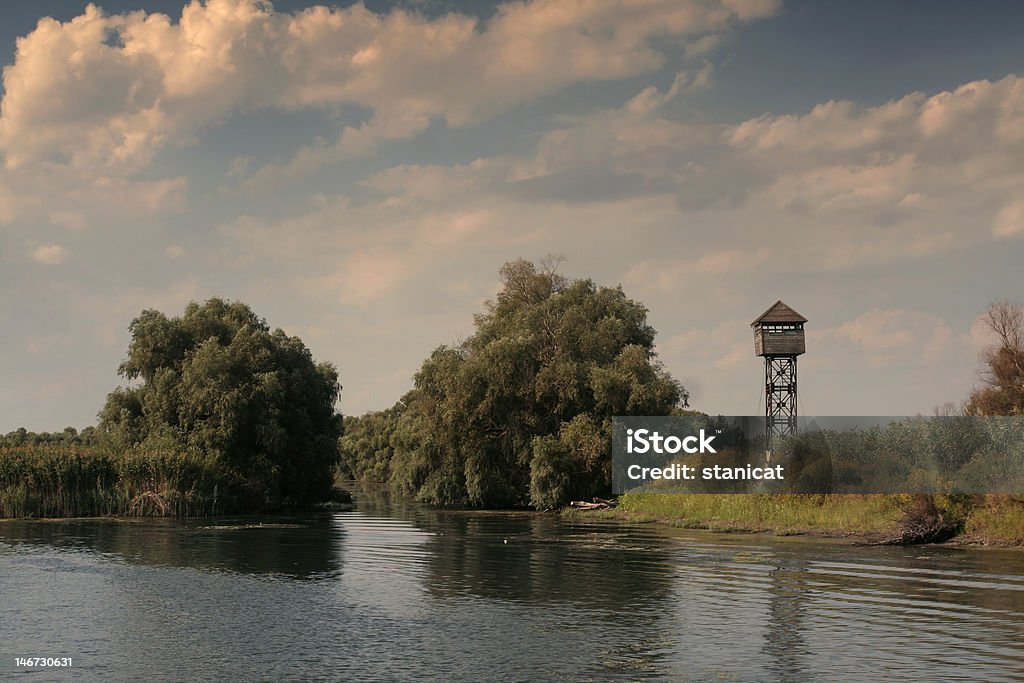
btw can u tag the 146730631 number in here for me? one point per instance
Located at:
(42, 661)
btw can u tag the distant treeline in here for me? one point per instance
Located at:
(69, 437)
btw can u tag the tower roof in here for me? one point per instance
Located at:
(779, 313)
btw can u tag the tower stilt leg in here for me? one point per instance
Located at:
(780, 397)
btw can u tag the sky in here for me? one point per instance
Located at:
(359, 173)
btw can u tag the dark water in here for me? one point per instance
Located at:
(397, 592)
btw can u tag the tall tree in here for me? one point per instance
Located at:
(521, 411)
(1002, 390)
(219, 380)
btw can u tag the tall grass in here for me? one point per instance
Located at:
(781, 513)
(999, 519)
(986, 519)
(74, 481)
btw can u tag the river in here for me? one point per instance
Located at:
(396, 591)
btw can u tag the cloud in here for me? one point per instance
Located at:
(907, 154)
(727, 347)
(844, 183)
(76, 199)
(7, 204)
(889, 336)
(1010, 220)
(731, 260)
(111, 90)
(625, 152)
(696, 218)
(71, 220)
(49, 254)
(363, 277)
(437, 183)
(132, 196)
(353, 141)
(880, 163)
(703, 45)
(681, 275)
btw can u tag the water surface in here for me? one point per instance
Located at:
(394, 591)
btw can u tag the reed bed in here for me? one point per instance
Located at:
(79, 481)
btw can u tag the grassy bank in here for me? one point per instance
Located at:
(983, 519)
(999, 520)
(62, 481)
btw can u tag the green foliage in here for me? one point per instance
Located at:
(838, 515)
(366, 446)
(997, 519)
(219, 382)
(520, 412)
(69, 437)
(912, 455)
(550, 470)
(57, 480)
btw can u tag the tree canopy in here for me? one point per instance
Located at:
(520, 412)
(1002, 390)
(218, 380)
(366, 446)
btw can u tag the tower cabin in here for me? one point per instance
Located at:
(779, 331)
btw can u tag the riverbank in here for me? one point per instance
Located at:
(984, 520)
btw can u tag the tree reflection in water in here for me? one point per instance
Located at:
(289, 547)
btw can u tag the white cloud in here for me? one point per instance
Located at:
(112, 90)
(846, 184)
(703, 45)
(49, 254)
(354, 141)
(880, 161)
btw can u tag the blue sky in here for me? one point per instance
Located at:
(358, 174)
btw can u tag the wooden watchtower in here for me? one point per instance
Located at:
(779, 338)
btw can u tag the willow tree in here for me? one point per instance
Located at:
(219, 381)
(520, 412)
